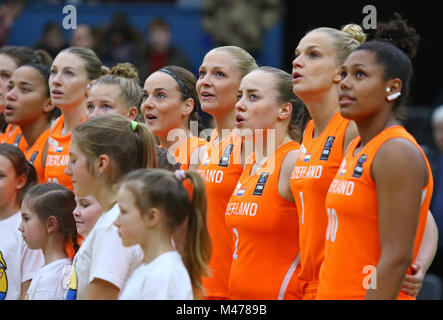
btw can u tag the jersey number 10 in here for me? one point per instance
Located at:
(331, 232)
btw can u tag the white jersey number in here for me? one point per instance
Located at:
(235, 256)
(331, 232)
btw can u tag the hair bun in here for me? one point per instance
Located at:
(42, 57)
(400, 34)
(125, 70)
(104, 71)
(355, 31)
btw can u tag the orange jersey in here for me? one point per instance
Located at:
(58, 155)
(314, 170)
(35, 155)
(220, 170)
(185, 150)
(264, 227)
(14, 136)
(352, 239)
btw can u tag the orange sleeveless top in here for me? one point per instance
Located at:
(35, 155)
(185, 150)
(58, 155)
(264, 227)
(352, 238)
(314, 170)
(220, 170)
(14, 137)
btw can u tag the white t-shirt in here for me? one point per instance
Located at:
(18, 263)
(165, 278)
(50, 281)
(103, 256)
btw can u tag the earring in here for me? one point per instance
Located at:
(393, 96)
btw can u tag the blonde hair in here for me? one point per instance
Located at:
(125, 76)
(129, 145)
(345, 40)
(161, 189)
(243, 60)
(92, 63)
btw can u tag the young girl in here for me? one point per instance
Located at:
(11, 58)
(118, 92)
(29, 107)
(18, 263)
(170, 103)
(153, 204)
(379, 220)
(103, 150)
(71, 72)
(86, 214)
(48, 224)
(217, 86)
(261, 211)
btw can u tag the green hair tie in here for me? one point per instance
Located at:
(134, 125)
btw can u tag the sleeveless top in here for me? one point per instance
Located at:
(14, 136)
(314, 170)
(58, 155)
(220, 170)
(35, 155)
(352, 238)
(264, 227)
(184, 151)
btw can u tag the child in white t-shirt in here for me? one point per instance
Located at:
(154, 205)
(48, 224)
(103, 150)
(18, 263)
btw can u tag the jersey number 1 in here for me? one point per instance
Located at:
(235, 256)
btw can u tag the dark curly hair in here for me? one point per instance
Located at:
(394, 44)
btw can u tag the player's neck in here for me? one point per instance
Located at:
(32, 132)
(371, 127)
(156, 247)
(55, 248)
(322, 110)
(8, 210)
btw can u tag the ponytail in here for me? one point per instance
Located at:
(145, 145)
(129, 144)
(185, 217)
(197, 249)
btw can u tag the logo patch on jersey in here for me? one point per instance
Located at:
(342, 169)
(52, 145)
(224, 160)
(3, 278)
(260, 186)
(206, 159)
(17, 140)
(358, 170)
(307, 157)
(34, 155)
(302, 153)
(327, 148)
(240, 192)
